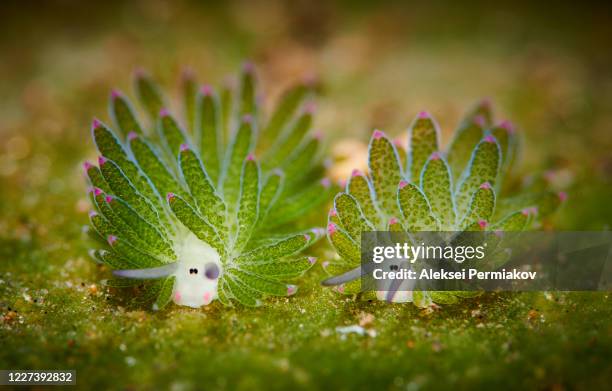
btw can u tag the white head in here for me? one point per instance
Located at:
(197, 273)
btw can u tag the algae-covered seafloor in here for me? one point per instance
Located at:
(546, 68)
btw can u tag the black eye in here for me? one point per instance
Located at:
(193, 271)
(211, 271)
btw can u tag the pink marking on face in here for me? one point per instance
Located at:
(333, 213)
(485, 185)
(95, 123)
(163, 112)
(97, 191)
(207, 297)
(378, 134)
(355, 173)
(247, 119)
(115, 94)
(291, 289)
(331, 228)
(177, 297)
(562, 196)
(489, 139)
(87, 166)
(435, 156)
(111, 239)
(341, 288)
(507, 125)
(250, 157)
(206, 90)
(312, 260)
(184, 147)
(424, 115)
(102, 160)
(392, 221)
(483, 224)
(108, 199)
(170, 196)
(132, 136)
(403, 184)
(326, 182)
(480, 121)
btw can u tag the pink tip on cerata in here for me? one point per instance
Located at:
(163, 112)
(108, 199)
(291, 289)
(312, 260)
(435, 156)
(184, 147)
(132, 136)
(533, 210)
(325, 182)
(250, 157)
(310, 108)
(424, 115)
(307, 237)
(526, 211)
(317, 135)
(480, 121)
(332, 212)
(489, 138)
(355, 173)
(403, 184)
(392, 221)
(140, 72)
(87, 166)
(486, 102)
(95, 123)
(325, 264)
(247, 118)
(115, 94)
(97, 191)
(331, 228)
(169, 196)
(102, 160)
(248, 67)
(483, 224)
(206, 90)
(111, 239)
(278, 171)
(342, 183)
(498, 233)
(93, 213)
(378, 134)
(187, 73)
(485, 185)
(562, 196)
(507, 125)
(340, 288)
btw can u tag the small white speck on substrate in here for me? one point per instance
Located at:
(302, 310)
(130, 361)
(122, 347)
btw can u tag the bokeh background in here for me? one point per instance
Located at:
(546, 67)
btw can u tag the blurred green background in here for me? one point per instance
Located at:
(547, 67)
